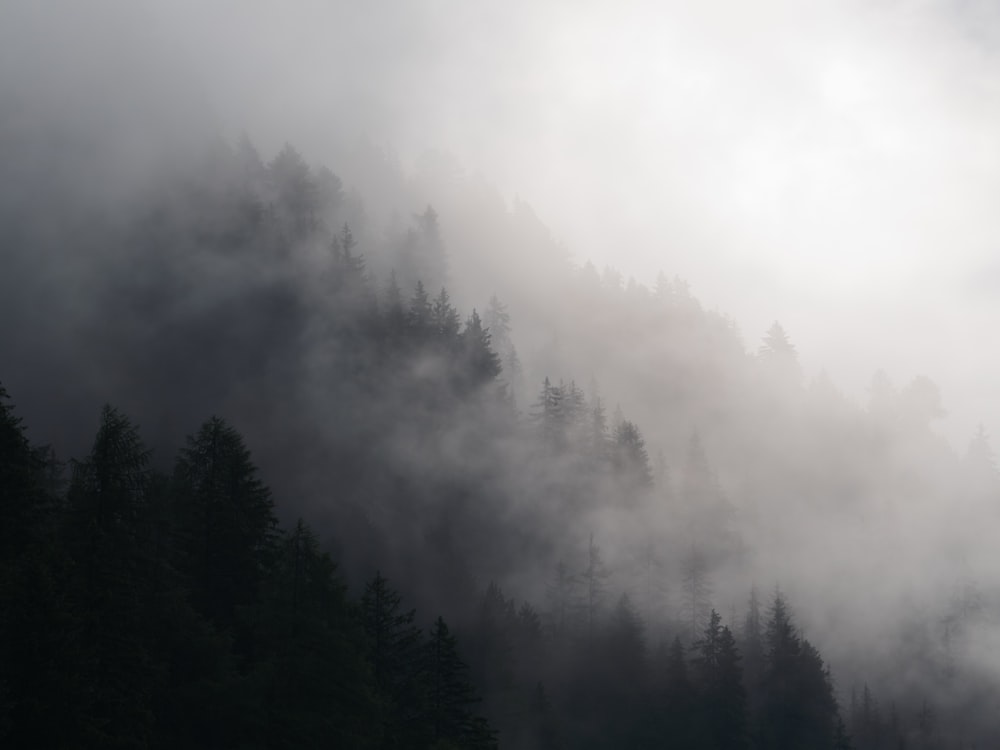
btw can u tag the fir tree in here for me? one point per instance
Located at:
(227, 520)
(723, 698)
(449, 715)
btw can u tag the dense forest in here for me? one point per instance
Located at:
(576, 513)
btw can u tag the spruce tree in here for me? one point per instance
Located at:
(22, 499)
(451, 697)
(722, 695)
(107, 536)
(393, 651)
(316, 689)
(227, 522)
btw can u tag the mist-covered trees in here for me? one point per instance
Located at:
(378, 402)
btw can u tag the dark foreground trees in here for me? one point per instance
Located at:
(147, 612)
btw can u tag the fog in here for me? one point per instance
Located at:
(834, 168)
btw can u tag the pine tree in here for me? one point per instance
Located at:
(296, 193)
(696, 590)
(621, 678)
(491, 647)
(598, 449)
(309, 657)
(496, 319)
(23, 505)
(631, 461)
(723, 698)
(107, 535)
(228, 525)
(866, 722)
(594, 580)
(449, 715)
(34, 622)
(444, 319)
(776, 344)
(752, 648)
(393, 650)
(349, 268)
(549, 414)
(562, 597)
(798, 706)
(678, 700)
(481, 362)
(395, 315)
(419, 314)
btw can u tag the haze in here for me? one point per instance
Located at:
(834, 167)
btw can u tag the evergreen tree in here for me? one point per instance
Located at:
(444, 318)
(317, 689)
(107, 535)
(798, 707)
(228, 525)
(481, 363)
(678, 707)
(696, 589)
(22, 499)
(35, 652)
(449, 715)
(550, 415)
(776, 343)
(752, 648)
(395, 315)
(621, 679)
(723, 698)
(295, 192)
(631, 461)
(497, 322)
(562, 596)
(598, 435)
(393, 651)
(419, 315)
(594, 580)
(866, 722)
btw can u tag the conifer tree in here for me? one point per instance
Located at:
(228, 525)
(107, 535)
(309, 657)
(481, 361)
(594, 579)
(696, 590)
(631, 461)
(419, 314)
(752, 649)
(562, 597)
(722, 695)
(22, 500)
(444, 319)
(798, 705)
(393, 650)
(449, 715)
(678, 698)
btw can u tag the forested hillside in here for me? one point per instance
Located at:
(573, 512)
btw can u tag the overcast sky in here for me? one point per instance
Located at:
(831, 164)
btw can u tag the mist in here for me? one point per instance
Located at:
(735, 266)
